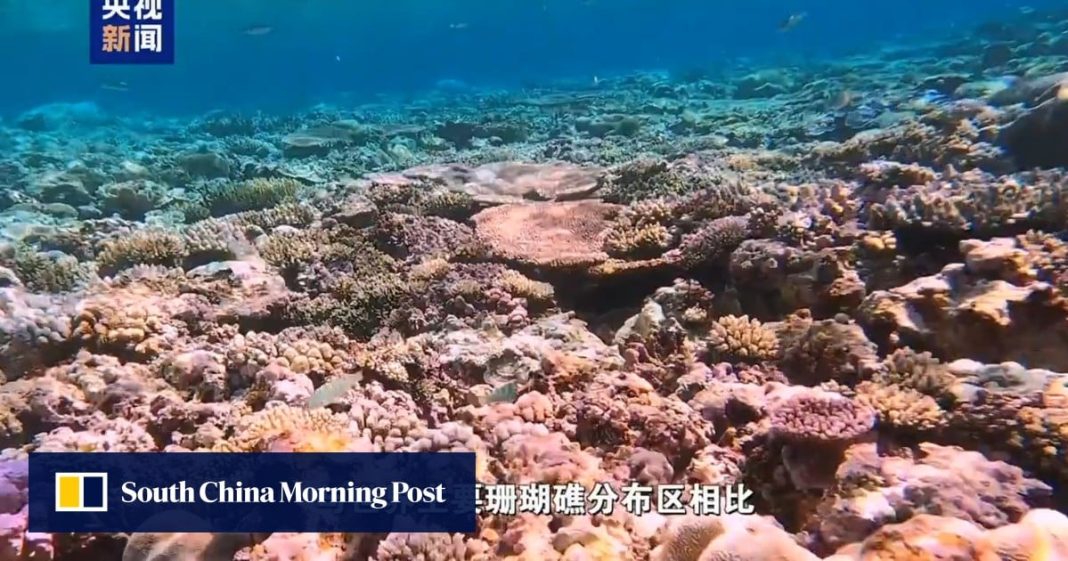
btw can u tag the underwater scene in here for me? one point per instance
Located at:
(727, 281)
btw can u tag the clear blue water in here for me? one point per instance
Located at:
(402, 47)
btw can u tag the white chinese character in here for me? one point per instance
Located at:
(117, 8)
(534, 499)
(500, 499)
(669, 500)
(704, 500)
(149, 9)
(569, 500)
(602, 499)
(148, 37)
(738, 500)
(637, 499)
(480, 497)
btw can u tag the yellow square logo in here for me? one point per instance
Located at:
(81, 492)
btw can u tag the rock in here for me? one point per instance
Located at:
(1039, 137)
(962, 313)
(947, 480)
(257, 289)
(767, 83)
(1028, 90)
(131, 199)
(89, 212)
(60, 187)
(60, 210)
(642, 325)
(208, 165)
(606, 125)
(319, 141)
(357, 212)
(505, 182)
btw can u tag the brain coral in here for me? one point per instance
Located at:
(728, 538)
(547, 234)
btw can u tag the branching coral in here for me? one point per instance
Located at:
(42, 272)
(288, 251)
(143, 247)
(637, 242)
(902, 407)
(641, 231)
(254, 194)
(815, 428)
(421, 237)
(133, 321)
(357, 303)
(814, 352)
(920, 372)
(288, 429)
(741, 339)
(624, 410)
(711, 242)
(976, 202)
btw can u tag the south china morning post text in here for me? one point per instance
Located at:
(252, 492)
(221, 491)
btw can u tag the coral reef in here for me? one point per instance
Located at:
(841, 285)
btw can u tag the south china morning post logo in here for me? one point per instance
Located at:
(81, 492)
(251, 492)
(131, 31)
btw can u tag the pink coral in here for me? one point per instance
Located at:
(547, 234)
(821, 417)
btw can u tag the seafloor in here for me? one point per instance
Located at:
(844, 286)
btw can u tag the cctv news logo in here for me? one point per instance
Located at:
(82, 492)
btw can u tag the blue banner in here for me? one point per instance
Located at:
(256, 492)
(131, 31)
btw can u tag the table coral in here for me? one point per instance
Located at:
(547, 234)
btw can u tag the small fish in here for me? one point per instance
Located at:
(333, 390)
(458, 26)
(115, 86)
(793, 21)
(596, 81)
(258, 30)
(505, 393)
(1027, 10)
(337, 58)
